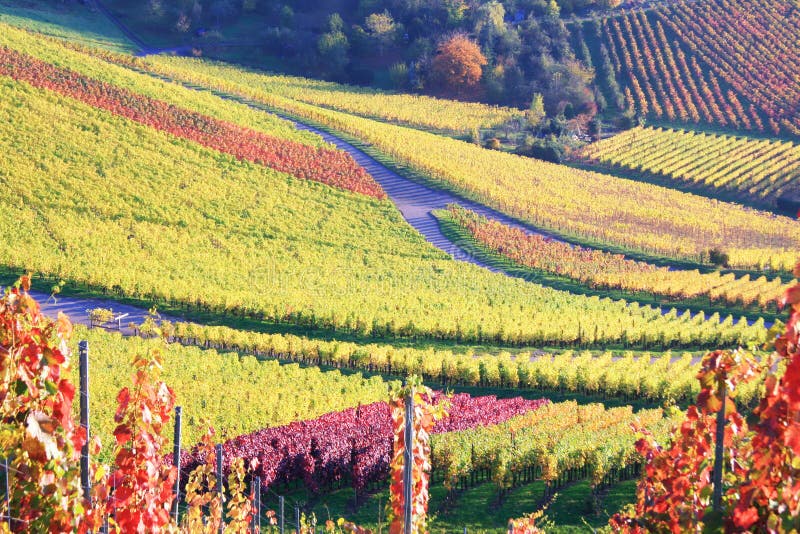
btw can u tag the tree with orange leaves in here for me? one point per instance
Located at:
(457, 67)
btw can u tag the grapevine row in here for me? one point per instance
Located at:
(557, 443)
(752, 46)
(751, 170)
(419, 111)
(411, 110)
(210, 385)
(353, 445)
(329, 166)
(659, 79)
(96, 64)
(600, 269)
(647, 376)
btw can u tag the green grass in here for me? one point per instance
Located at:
(458, 235)
(71, 21)
(476, 509)
(562, 511)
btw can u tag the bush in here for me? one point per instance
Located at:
(718, 257)
(547, 150)
(493, 143)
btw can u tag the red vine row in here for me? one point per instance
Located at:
(325, 165)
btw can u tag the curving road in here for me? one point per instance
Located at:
(416, 201)
(77, 308)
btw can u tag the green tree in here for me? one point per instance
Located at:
(333, 48)
(456, 11)
(552, 9)
(335, 23)
(490, 17)
(536, 113)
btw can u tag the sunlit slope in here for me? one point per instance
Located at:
(450, 116)
(92, 66)
(95, 198)
(587, 205)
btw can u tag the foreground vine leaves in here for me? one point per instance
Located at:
(37, 432)
(762, 480)
(425, 415)
(142, 483)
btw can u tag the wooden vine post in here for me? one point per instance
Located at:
(176, 461)
(408, 476)
(719, 451)
(413, 417)
(83, 371)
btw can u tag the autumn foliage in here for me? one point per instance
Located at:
(601, 269)
(457, 67)
(42, 442)
(141, 484)
(354, 444)
(37, 432)
(762, 480)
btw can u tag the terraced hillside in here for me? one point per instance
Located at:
(727, 63)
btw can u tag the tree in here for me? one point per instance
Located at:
(335, 23)
(456, 10)
(457, 66)
(566, 88)
(552, 9)
(333, 47)
(490, 17)
(536, 113)
(381, 28)
(609, 4)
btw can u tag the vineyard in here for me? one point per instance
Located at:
(663, 81)
(728, 63)
(600, 269)
(77, 59)
(73, 25)
(353, 446)
(626, 214)
(424, 112)
(272, 394)
(749, 170)
(653, 377)
(752, 46)
(557, 443)
(328, 166)
(177, 198)
(373, 325)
